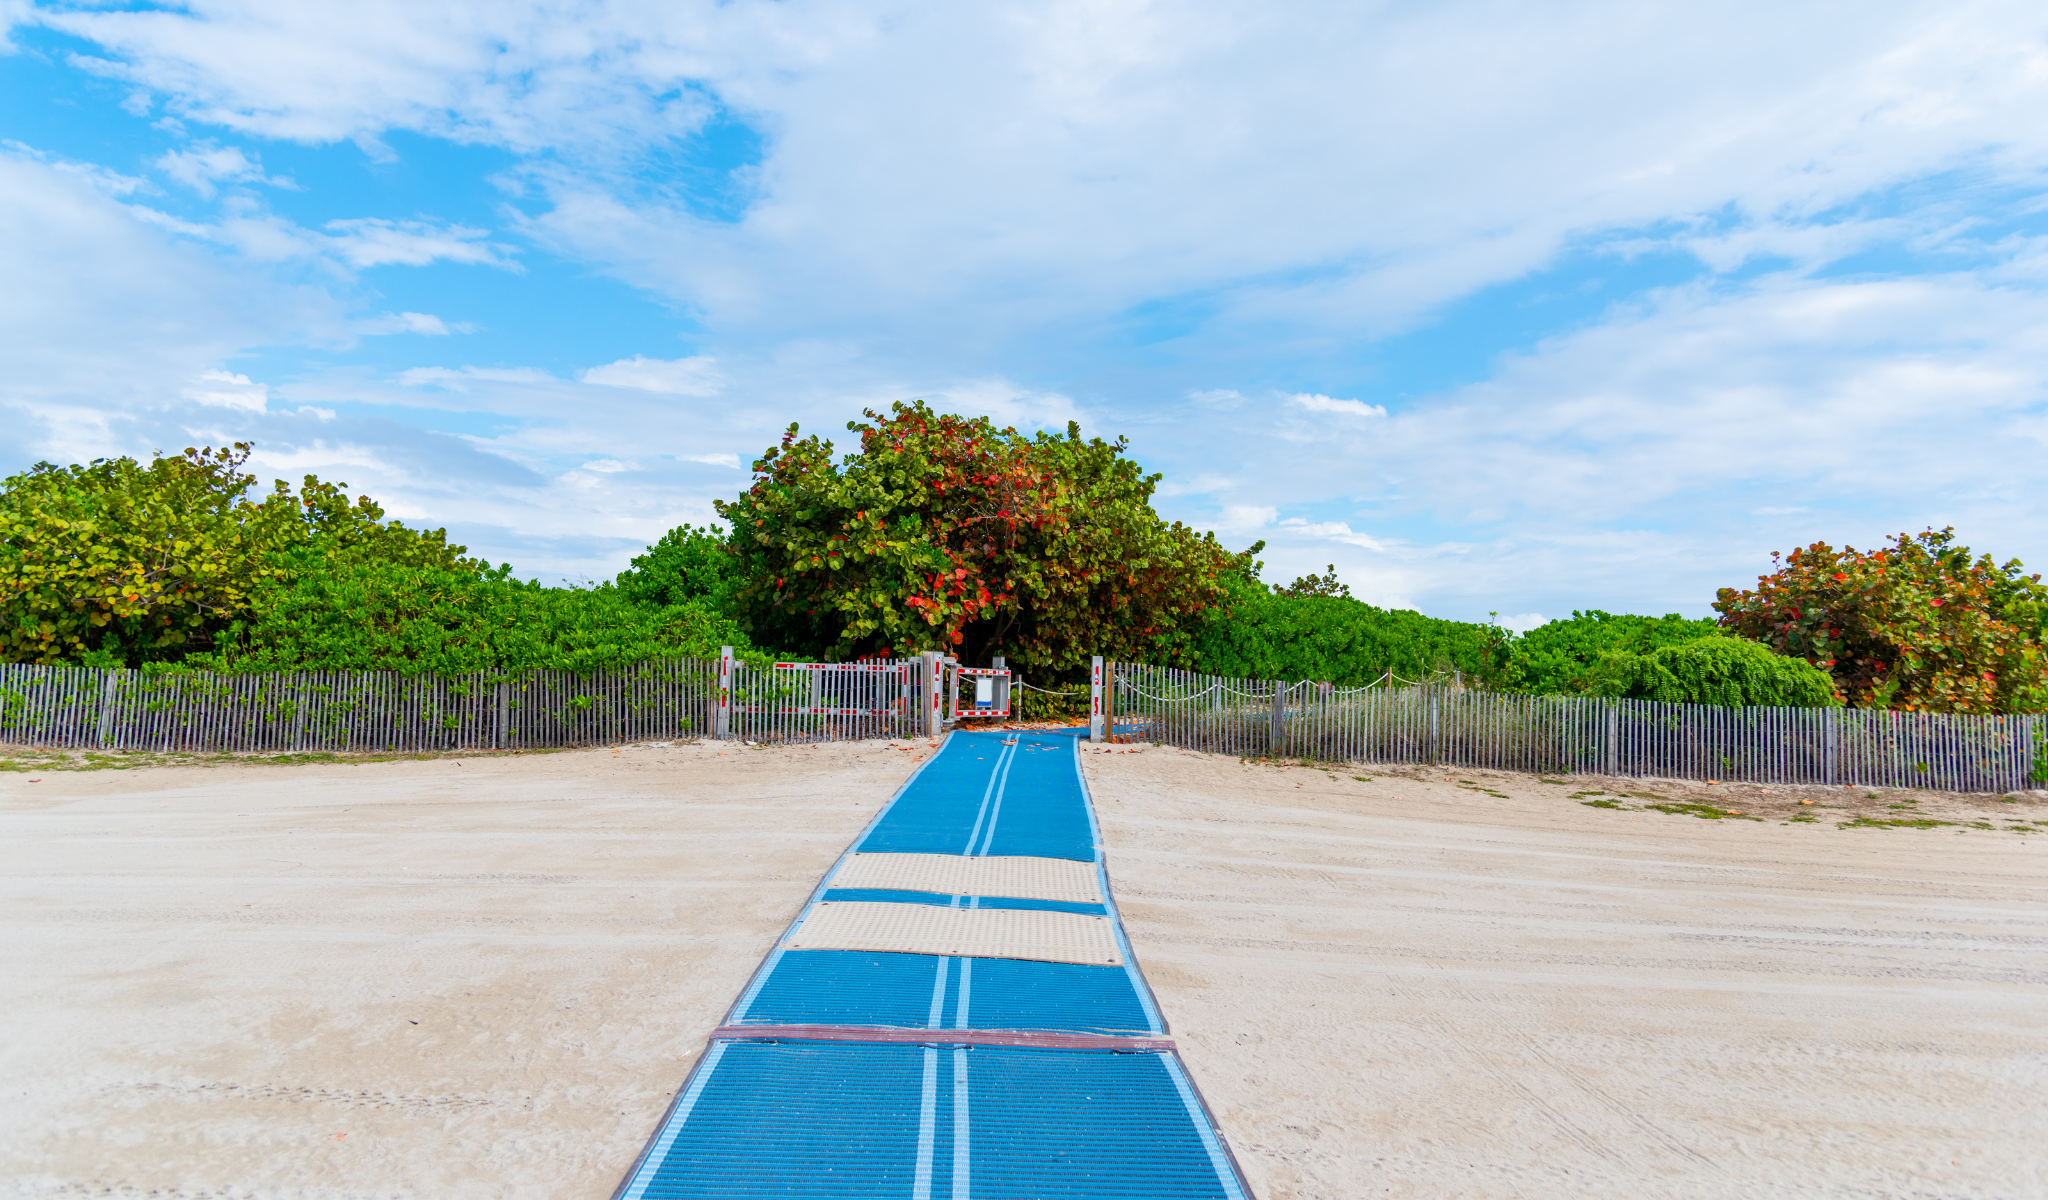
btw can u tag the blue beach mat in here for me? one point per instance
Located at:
(846, 1073)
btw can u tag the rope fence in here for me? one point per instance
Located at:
(1049, 692)
(1442, 723)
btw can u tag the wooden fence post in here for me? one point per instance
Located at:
(1276, 724)
(110, 690)
(1433, 706)
(1831, 745)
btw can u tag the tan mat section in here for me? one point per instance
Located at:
(967, 932)
(959, 875)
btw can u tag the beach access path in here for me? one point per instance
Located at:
(484, 977)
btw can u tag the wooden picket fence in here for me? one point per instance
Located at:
(1440, 723)
(1392, 721)
(350, 710)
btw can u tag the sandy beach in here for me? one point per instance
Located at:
(465, 977)
(485, 976)
(1474, 984)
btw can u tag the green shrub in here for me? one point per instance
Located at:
(383, 616)
(1343, 641)
(1726, 671)
(688, 564)
(120, 563)
(1582, 655)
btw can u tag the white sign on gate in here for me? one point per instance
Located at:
(981, 692)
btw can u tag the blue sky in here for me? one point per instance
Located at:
(1498, 309)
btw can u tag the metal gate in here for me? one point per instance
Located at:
(815, 702)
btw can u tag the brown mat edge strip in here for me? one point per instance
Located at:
(944, 1037)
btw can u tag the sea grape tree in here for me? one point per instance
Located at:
(1917, 624)
(947, 532)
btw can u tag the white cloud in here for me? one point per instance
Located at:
(424, 324)
(1524, 622)
(375, 242)
(1356, 172)
(225, 389)
(103, 180)
(1000, 400)
(13, 13)
(532, 75)
(205, 164)
(1315, 402)
(1360, 167)
(1246, 518)
(1197, 485)
(696, 376)
(1333, 531)
(461, 379)
(263, 237)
